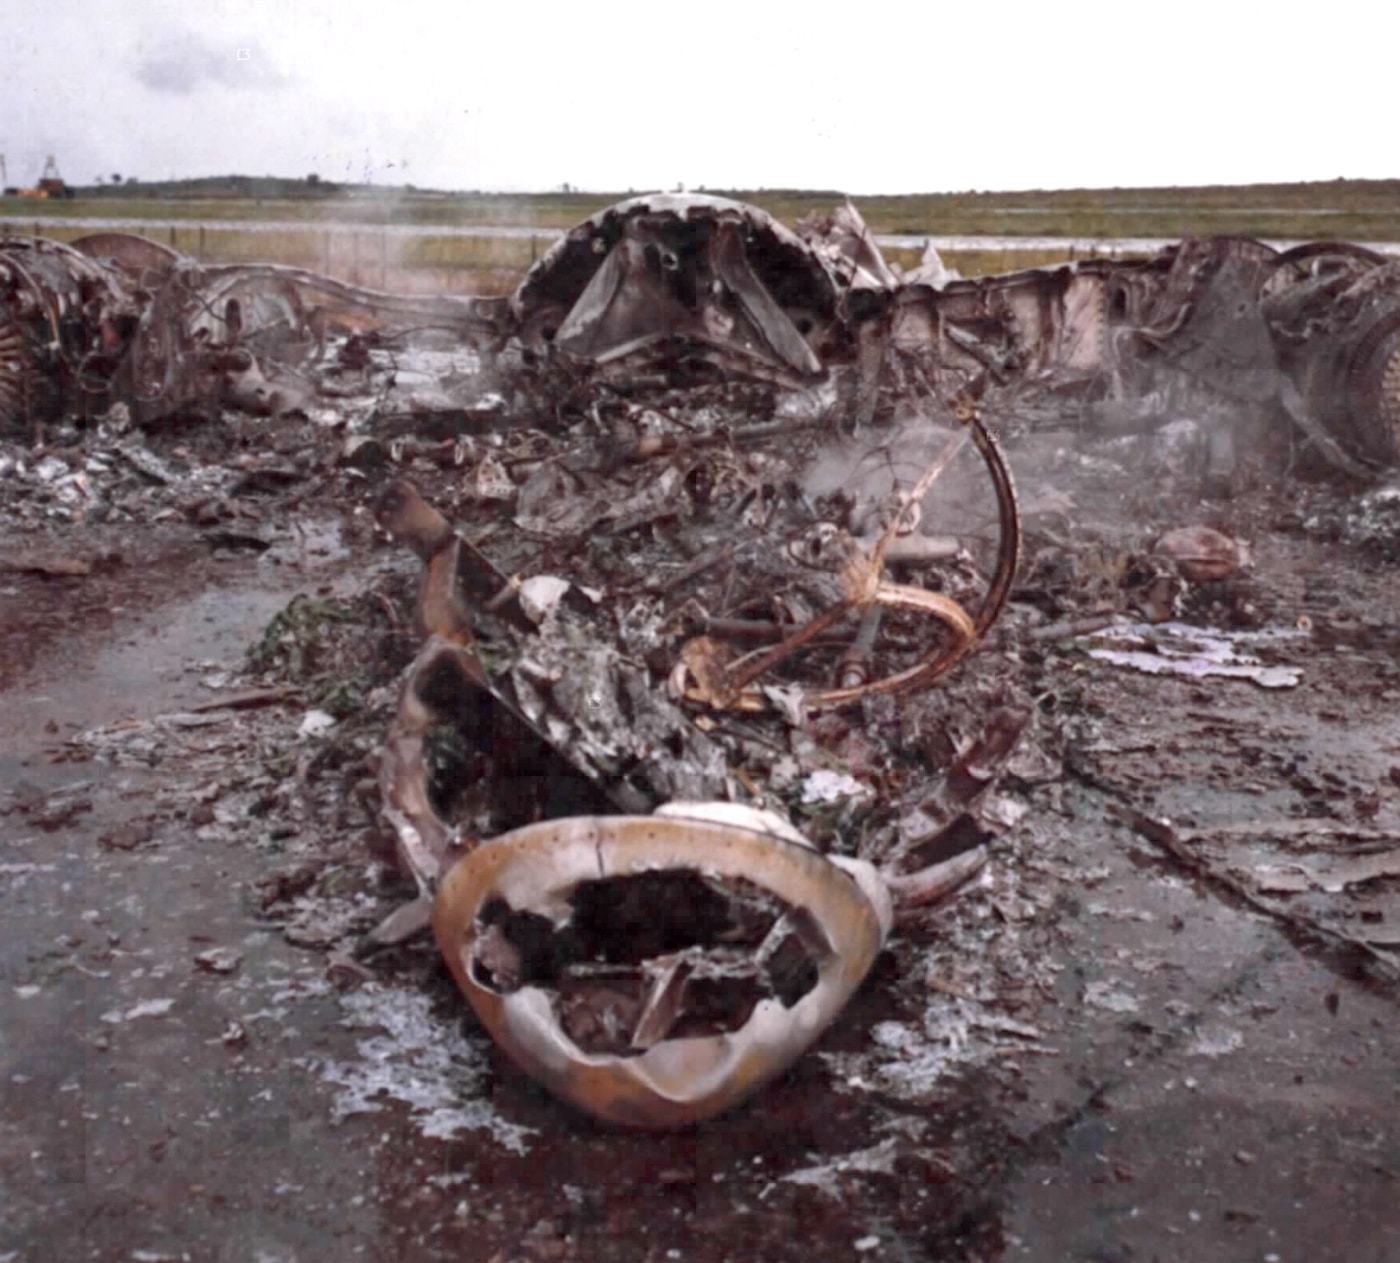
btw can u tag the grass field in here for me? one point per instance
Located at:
(316, 223)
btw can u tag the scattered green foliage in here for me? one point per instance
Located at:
(344, 696)
(292, 646)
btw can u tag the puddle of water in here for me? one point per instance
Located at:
(93, 668)
(309, 544)
(142, 674)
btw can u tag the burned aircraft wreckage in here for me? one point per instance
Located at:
(671, 291)
(617, 705)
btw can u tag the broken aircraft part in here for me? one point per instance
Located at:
(118, 319)
(1334, 314)
(66, 322)
(656, 970)
(1203, 554)
(141, 258)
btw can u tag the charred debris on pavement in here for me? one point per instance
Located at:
(726, 493)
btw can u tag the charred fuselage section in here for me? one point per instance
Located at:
(681, 288)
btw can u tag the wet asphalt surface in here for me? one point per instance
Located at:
(1188, 1079)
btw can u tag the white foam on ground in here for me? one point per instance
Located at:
(420, 1060)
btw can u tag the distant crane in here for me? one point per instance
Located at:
(51, 183)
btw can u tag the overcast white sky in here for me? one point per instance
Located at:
(865, 97)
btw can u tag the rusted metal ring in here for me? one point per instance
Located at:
(967, 629)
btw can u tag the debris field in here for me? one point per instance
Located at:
(729, 751)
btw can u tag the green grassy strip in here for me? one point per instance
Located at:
(1357, 210)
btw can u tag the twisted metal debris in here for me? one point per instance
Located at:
(592, 695)
(522, 669)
